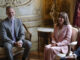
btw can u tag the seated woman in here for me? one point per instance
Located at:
(61, 37)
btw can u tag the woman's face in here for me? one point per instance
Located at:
(61, 20)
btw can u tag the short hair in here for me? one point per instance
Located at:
(8, 7)
(66, 18)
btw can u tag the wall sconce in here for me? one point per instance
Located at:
(14, 3)
(53, 11)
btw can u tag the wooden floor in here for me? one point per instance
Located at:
(36, 56)
(32, 56)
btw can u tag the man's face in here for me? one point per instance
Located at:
(10, 12)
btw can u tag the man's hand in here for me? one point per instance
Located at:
(18, 44)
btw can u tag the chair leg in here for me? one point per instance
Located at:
(28, 57)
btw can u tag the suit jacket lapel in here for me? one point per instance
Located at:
(9, 25)
(15, 26)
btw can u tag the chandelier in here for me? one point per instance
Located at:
(14, 3)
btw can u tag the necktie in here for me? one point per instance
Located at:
(13, 34)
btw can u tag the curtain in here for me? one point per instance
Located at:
(76, 19)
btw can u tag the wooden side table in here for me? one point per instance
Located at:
(43, 37)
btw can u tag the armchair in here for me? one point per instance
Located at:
(16, 50)
(71, 46)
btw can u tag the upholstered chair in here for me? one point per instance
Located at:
(71, 46)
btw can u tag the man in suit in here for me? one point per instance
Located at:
(13, 34)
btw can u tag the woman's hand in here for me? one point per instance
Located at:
(53, 44)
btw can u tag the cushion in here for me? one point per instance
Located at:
(74, 36)
(16, 50)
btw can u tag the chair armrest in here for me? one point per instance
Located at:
(69, 51)
(61, 55)
(73, 43)
(28, 34)
(71, 46)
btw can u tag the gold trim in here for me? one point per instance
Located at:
(13, 3)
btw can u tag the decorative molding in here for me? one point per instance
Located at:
(30, 18)
(14, 3)
(37, 8)
(31, 24)
(47, 5)
(27, 18)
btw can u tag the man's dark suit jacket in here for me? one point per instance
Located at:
(6, 30)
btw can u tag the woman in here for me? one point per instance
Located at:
(60, 38)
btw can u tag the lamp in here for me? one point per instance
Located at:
(14, 3)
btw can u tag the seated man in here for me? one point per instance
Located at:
(13, 34)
